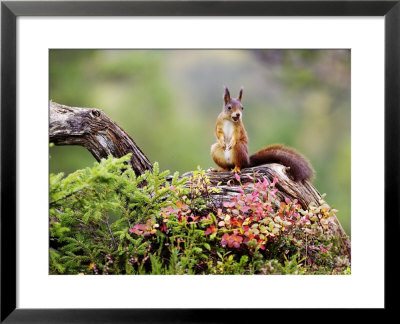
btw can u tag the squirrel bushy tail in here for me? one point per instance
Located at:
(300, 168)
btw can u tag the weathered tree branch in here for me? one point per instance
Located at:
(92, 129)
(304, 192)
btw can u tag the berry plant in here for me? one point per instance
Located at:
(106, 220)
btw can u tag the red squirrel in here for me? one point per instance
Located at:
(231, 149)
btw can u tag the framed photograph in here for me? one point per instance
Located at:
(319, 77)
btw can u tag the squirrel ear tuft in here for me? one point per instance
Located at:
(240, 94)
(227, 95)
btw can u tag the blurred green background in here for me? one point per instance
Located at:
(168, 101)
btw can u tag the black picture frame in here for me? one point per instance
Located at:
(10, 10)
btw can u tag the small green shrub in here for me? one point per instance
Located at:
(106, 220)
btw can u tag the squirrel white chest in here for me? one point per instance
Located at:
(228, 131)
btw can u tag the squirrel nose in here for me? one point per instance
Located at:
(237, 115)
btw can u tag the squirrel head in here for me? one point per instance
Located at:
(233, 108)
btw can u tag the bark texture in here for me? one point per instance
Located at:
(304, 192)
(92, 129)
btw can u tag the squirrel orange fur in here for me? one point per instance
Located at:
(230, 152)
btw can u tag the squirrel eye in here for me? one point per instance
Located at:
(242, 107)
(229, 107)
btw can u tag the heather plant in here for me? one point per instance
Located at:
(107, 220)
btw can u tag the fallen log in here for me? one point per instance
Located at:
(92, 129)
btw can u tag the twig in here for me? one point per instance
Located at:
(111, 233)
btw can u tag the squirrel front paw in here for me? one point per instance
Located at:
(236, 169)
